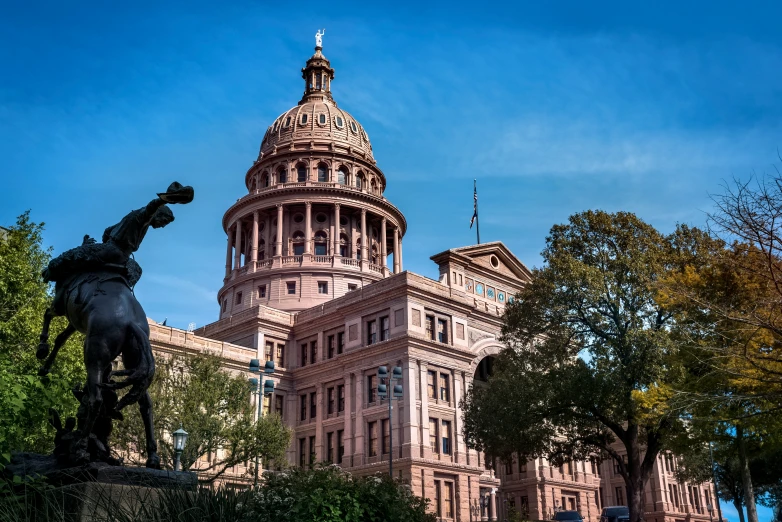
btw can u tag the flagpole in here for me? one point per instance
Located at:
(477, 220)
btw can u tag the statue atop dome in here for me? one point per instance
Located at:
(319, 37)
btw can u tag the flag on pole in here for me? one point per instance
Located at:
(474, 205)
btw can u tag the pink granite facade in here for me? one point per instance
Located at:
(314, 280)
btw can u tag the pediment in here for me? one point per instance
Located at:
(489, 258)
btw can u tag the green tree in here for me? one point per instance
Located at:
(24, 397)
(589, 358)
(197, 393)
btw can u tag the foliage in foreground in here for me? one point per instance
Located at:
(324, 494)
(26, 398)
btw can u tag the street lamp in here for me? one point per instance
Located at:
(384, 382)
(180, 438)
(268, 390)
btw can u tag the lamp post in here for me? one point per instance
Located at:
(180, 438)
(266, 391)
(387, 390)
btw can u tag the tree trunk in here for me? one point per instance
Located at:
(739, 509)
(635, 479)
(746, 478)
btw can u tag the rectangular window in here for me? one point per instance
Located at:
(313, 405)
(384, 329)
(445, 390)
(225, 305)
(312, 450)
(509, 467)
(280, 356)
(267, 404)
(313, 352)
(262, 291)
(437, 506)
(445, 432)
(278, 404)
(442, 331)
(371, 388)
(291, 286)
(522, 465)
(238, 298)
(303, 407)
(371, 332)
(269, 350)
(352, 287)
(341, 398)
(386, 426)
(430, 327)
(303, 355)
(372, 429)
(433, 436)
(600, 497)
(430, 386)
(448, 499)
(340, 446)
(331, 401)
(340, 342)
(323, 287)
(525, 507)
(302, 452)
(330, 346)
(620, 499)
(330, 447)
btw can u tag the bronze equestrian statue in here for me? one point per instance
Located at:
(94, 290)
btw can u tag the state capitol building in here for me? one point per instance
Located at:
(315, 281)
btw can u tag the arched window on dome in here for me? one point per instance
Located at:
(358, 249)
(297, 242)
(373, 186)
(343, 245)
(342, 175)
(265, 179)
(282, 175)
(321, 243)
(323, 173)
(374, 255)
(261, 250)
(360, 181)
(252, 185)
(301, 172)
(287, 122)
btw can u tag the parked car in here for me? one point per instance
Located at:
(615, 514)
(570, 516)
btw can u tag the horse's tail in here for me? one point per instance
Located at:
(142, 374)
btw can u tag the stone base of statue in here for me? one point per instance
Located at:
(96, 491)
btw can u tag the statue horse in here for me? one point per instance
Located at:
(94, 290)
(101, 305)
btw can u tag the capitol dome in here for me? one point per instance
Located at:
(315, 223)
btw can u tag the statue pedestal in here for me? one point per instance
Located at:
(90, 492)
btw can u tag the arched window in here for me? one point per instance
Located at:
(287, 122)
(298, 243)
(323, 173)
(301, 171)
(282, 176)
(342, 175)
(252, 185)
(343, 245)
(321, 243)
(373, 186)
(360, 181)
(373, 255)
(265, 179)
(358, 249)
(261, 250)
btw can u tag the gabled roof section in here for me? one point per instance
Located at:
(479, 257)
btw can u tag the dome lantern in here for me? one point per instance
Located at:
(317, 76)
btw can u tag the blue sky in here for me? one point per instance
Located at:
(555, 107)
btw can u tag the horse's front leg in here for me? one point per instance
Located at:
(43, 345)
(145, 407)
(58, 342)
